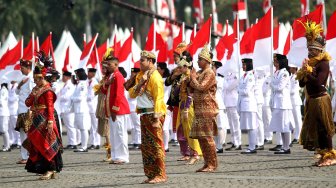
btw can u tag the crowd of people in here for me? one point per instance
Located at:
(192, 109)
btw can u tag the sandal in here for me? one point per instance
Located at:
(22, 161)
(184, 158)
(157, 180)
(193, 160)
(208, 169)
(118, 162)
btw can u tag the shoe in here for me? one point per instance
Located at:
(267, 141)
(6, 150)
(81, 150)
(136, 146)
(220, 151)
(79, 144)
(238, 148)
(260, 147)
(91, 147)
(22, 161)
(97, 147)
(48, 175)
(276, 148)
(167, 150)
(230, 143)
(282, 151)
(71, 147)
(248, 151)
(295, 141)
(231, 148)
(13, 146)
(185, 158)
(172, 141)
(193, 160)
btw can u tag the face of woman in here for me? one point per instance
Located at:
(39, 81)
(276, 64)
(161, 71)
(244, 66)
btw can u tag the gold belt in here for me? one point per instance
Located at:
(39, 107)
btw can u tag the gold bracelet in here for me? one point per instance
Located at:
(50, 121)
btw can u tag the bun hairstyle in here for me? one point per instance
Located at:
(186, 60)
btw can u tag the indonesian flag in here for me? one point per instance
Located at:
(116, 45)
(102, 49)
(125, 55)
(257, 40)
(198, 11)
(202, 38)
(331, 36)
(280, 34)
(84, 58)
(223, 45)
(29, 50)
(176, 41)
(160, 44)
(298, 51)
(266, 5)
(304, 7)
(10, 60)
(47, 47)
(67, 67)
(287, 43)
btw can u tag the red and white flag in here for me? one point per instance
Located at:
(125, 55)
(266, 5)
(11, 59)
(47, 47)
(29, 50)
(331, 36)
(201, 38)
(287, 43)
(298, 50)
(176, 41)
(67, 67)
(84, 58)
(304, 7)
(102, 49)
(198, 11)
(156, 41)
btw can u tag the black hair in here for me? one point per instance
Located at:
(122, 71)
(4, 84)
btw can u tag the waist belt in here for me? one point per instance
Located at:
(38, 107)
(145, 110)
(318, 95)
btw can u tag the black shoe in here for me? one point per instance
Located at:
(282, 151)
(231, 148)
(267, 141)
(79, 144)
(6, 150)
(81, 150)
(172, 141)
(276, 148)
(238, 148)
(91, 147)
(167, 150)
(295, 141)
(71, 147)
(230, 143)
(14, 146)
(136, 146)
(260, 147)
(220, 151)
(248, 151)
(97, 147)
(175, 143)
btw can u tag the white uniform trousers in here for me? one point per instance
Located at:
(4, 120)
(119, 138)
(298, 121)
(24, 152)
(166, 125)
(252, 137)
(260, 130)
(94, 136)
(69, 122)
(234, 124)
(14, 136)
(136, 130)
(222, 123)
(266, 116)
(82, 122)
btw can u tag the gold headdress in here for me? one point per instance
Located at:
(313, 35)
(148, 54)
(108, 54)
(181, 48)
(183, 62)
(205, 54)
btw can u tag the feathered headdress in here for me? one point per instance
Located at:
(313, 35)
(43, 65)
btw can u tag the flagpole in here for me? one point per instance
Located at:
(238, 45)
(33, 45)
(37, 43)
(210, 35)
(22, 47)
(154, 36)
(272, 50)
(324, 18)
(183, 34)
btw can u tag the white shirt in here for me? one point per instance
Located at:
(13, 100)
(65, 95)
(246, 98)
(281, 90)
(79, 98)
(267, 91)
(230, 90)
(220, 92)
(92, 99)
(295, 91)
(24, 92)
(4, 111)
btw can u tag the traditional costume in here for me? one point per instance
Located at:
(318, 127)
(204, 127)
(148, 88)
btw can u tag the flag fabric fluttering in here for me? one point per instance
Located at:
(198, 11)
(67, 67)
(266, 5)
(331, 36)
(304, 7)
(86, 54)
(10, 60)
(125, 55)
(201, 38)
(47, 47)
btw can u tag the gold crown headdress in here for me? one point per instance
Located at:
(183, 62)
(313, 35)
(148, 54)
(109, 54)
(205, 54)
(180, 48)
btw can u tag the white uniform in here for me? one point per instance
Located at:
(92, 101)
(56, 88)
(4, 116)
(13, 104)
(168, 123)
(134, 119)
(267, 114)
(67, 113)
(222, 119)
(247, 107)
(23, 93)
(296, 104)
(81, 109)
(282, 116)
(230, 101)
(259, 80)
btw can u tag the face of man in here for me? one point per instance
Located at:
(176, 57)
(112, 65)
(65, 78)
(144, 63)
(201, 62)
(292, 70)
(312, 52)
(25, 70)
(91, 75)
(244, 66)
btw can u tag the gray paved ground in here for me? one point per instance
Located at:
(235, 170)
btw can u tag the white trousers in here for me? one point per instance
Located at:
(24, 152)
(4, 120)
(82, 122)
(94, 136)
(69, 122)
(266, 116)
(298, 121)
(260, 130)
(119, 138)
(168, 123)
(14, 136)
(235, 131)
(278, 139)
(136, 130)
(252, 137)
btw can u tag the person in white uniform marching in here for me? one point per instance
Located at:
(230, 102)
(92, 101)
(4, 117)
(23, 90)
(266, 109)
(81, 109)
(247, 105)
(282, 116)
(66, 107)
(259, 80)
(13, 105)
(296, 104)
